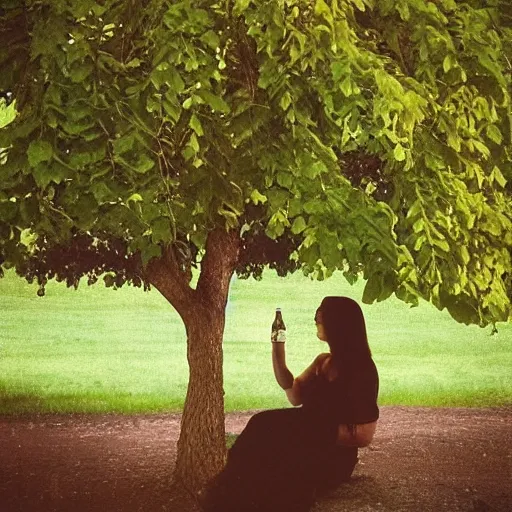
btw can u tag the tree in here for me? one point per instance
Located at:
(151, 137)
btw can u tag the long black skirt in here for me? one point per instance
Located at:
(281, 462)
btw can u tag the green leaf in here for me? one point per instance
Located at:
(388, 85)
(150, 212)
(493, 132)
(29, 207)
(482, 148)
(389, 283)
(76, 127)
(277, 224)
(442, 244)
(285, 179)
(135, 198)
(359, 4)
(85, 211)
(80, 72)
(314, 206)
(448, 63)
(346, 86)
(134, 63)
(299, 225)
(28, 238)
(195, 124)
(193, 143)
(294, 207)
(419, 225)
(215, 102)
(310, 255)
(464, 254)
(295, 54)
(497, 176)
(166, 74)
(339, 69)
(189, 152)
(453, 140)
(123, 144)
(278, 198)
(172, 108)
(8, 210)
(350, 277)
(79, 160)
(316, 169)
(175, 81)
(161, 230)
(372, 289)
(43, 175)
(461, 310)
(144, 164)
(230, 214)
(7, 114)
(211, 39)
(148, 252)
(109, 280)
(323, 10)
(285, 101)
(419, 242)
(399, 153)
(240, 6)
(257, 198)
(102, 192)
(39, 151)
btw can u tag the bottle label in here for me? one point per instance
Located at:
(280, 336)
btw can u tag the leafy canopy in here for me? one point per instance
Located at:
(373, 137)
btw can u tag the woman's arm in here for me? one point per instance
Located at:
(283, 376)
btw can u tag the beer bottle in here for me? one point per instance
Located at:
(278, 328)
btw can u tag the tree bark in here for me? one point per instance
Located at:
(201, 445)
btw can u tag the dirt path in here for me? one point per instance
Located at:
(421, 460)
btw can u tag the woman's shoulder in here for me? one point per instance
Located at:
(320, 358)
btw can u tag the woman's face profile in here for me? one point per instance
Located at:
(320, 331)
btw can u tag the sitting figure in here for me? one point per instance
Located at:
(285, 458)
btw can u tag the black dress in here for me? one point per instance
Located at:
(284, 458)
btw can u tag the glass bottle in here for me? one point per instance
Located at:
(278, 328)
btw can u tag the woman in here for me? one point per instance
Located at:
(284, 458)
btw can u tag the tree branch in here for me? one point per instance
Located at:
(217, 266)
(168, 277)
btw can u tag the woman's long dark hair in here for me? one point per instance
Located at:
(345, 330)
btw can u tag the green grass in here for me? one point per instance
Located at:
(99, 350)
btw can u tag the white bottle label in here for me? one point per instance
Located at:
(281, 336)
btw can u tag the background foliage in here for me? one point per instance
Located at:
(373, 137)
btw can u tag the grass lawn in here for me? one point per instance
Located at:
(99, 350)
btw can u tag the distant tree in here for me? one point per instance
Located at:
(152, 137)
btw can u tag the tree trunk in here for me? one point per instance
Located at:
(201, 445)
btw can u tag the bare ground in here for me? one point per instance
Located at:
(422, 459)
